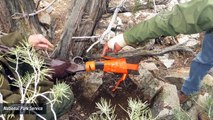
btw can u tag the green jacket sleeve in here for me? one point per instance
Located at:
(12, 39)
(187, 18)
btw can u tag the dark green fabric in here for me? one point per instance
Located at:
(4, 84)
(12, 39)
(191, 17)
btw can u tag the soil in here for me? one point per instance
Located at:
(83, 107)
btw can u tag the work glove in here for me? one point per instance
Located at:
(115, 44)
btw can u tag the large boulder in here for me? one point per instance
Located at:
(147, 83)
(162, 96)
(166, 102)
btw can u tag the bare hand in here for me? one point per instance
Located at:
(40, 42)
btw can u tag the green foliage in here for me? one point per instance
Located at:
(61, 90)
(105, 112)
(208, 106)
(137, 110)
(180, 114)
(28, 82)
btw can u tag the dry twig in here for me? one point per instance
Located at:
(106, 32)
(86, 37)
(23, 15)
(2, 33)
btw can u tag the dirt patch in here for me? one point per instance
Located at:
(84, 107)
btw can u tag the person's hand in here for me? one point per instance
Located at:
(115, 44)
(40, 42)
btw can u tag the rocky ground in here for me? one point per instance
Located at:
(160, 76)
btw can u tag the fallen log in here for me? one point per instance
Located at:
(138, 53)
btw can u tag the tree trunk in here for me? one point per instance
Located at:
(11, 7)
(82, 19)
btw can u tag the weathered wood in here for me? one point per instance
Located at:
(137, 54)
(5, 22)
(11, 7)
(82, 19)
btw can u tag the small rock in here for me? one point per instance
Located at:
(130, 23)
(182, 39)
(167, 62)
(91, 83)
(192, 42)
(195, 36)
(149, 66)
(127, 14)
(208, 80)
(82, 114)
(78, 108)
(44, 18)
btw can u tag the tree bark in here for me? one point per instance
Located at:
(82, 19)
(11, 7)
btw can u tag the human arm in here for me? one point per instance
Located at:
(191, 17)
(187, 18)
(35, 40)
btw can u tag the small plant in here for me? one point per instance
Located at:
(106, 111)
(137, 110)
(208, 107)
(207, 104)
(180, 114)
(29, 83)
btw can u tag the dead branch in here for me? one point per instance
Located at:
(101, 39)
(86, 37)
(23, 15)
(2, 33)
(140, 52)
